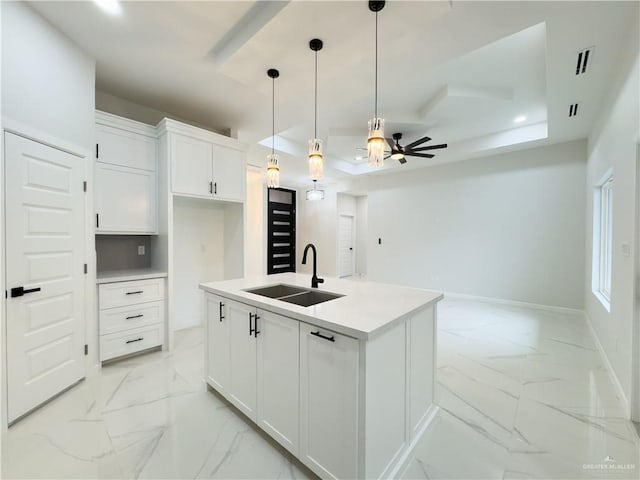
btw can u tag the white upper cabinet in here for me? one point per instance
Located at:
(125, 196)
(228, 173)
(204, 164)
(191, 166)
(125, 148)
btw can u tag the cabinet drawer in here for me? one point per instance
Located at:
(123, 318)
(130, 293)
(131, 341)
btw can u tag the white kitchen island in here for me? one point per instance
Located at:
(347, 385)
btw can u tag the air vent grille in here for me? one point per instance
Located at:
(573, 109)
(584, 57)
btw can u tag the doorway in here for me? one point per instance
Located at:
(44, 254)
(346, 236)
(281, 230)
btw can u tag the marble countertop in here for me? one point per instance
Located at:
(126, 275)
(366, 309)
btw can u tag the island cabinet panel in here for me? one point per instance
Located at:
(329, 402)
(218, 359)
(242, 344)
(421, 339)
(278, 384)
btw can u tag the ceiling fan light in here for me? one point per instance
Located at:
(316, 167)
(397, 156)
(273, 171)
(376, 143)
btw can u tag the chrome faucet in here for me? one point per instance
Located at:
(314, 280)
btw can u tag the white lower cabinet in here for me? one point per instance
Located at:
(252, 360)
(329, 402)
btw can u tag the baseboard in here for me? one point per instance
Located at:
(515, 303)
(610, 370)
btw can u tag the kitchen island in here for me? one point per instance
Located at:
(346, 385)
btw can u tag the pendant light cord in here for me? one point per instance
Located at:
(376, 76)
(315, 118)
(273, 116)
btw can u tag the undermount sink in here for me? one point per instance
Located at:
(296, 295)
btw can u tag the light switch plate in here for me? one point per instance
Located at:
(626, 249)
(140, 249)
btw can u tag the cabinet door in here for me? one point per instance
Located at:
(124, 148)
(218, 361)
(242, 384)
(329, 402)
(278, 378)
(229, 173)
(191, 166)
(125, 199)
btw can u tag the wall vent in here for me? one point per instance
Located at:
(584, 57)
(573, 109)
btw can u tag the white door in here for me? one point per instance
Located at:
(278, 378)
(125, 199)
(218, 359)
(191, 166)
(228, 173)
(345, 246)
(329, 402)
(45, 232)
(242, 384)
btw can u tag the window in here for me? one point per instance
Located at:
(602, 240)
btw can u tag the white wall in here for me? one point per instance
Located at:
(507, 226)
(613, 144)
(316, 224)
(362, 233)
(199, 255)
(48, 82)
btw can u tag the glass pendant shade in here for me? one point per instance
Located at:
(273, 171)
(376, 143)
(316, 169)
(315, 194)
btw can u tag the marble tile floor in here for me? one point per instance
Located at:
(523, 394)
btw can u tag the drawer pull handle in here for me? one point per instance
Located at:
(135, 293)
(318, 334)
(135, 316)
(136, 340)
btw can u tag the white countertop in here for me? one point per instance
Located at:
(126, 275)
(367, 308)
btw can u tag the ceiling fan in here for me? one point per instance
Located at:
(398, 152)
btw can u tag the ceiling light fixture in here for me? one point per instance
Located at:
(375, 140)
(112, 7)
(315, 144)
(519, 119)
(273, 169)
(315, 194)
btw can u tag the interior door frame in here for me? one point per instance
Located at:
(9, 125)
(353, 241)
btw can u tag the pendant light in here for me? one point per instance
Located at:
(273, 169)
(375, 140)
(316, 166)
(315, 194)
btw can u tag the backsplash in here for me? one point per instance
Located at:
(120, 252)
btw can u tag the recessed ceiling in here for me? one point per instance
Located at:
(459, 72)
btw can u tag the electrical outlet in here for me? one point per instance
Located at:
(626, 249)
(140, 249)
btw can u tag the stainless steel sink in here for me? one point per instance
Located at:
(297, 295)
(276, 291)
(309, 298)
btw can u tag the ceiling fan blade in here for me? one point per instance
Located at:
(388, 156)
(422, 155)
(390, 142)
(417, 142)
(402, 160)
(431, 147)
